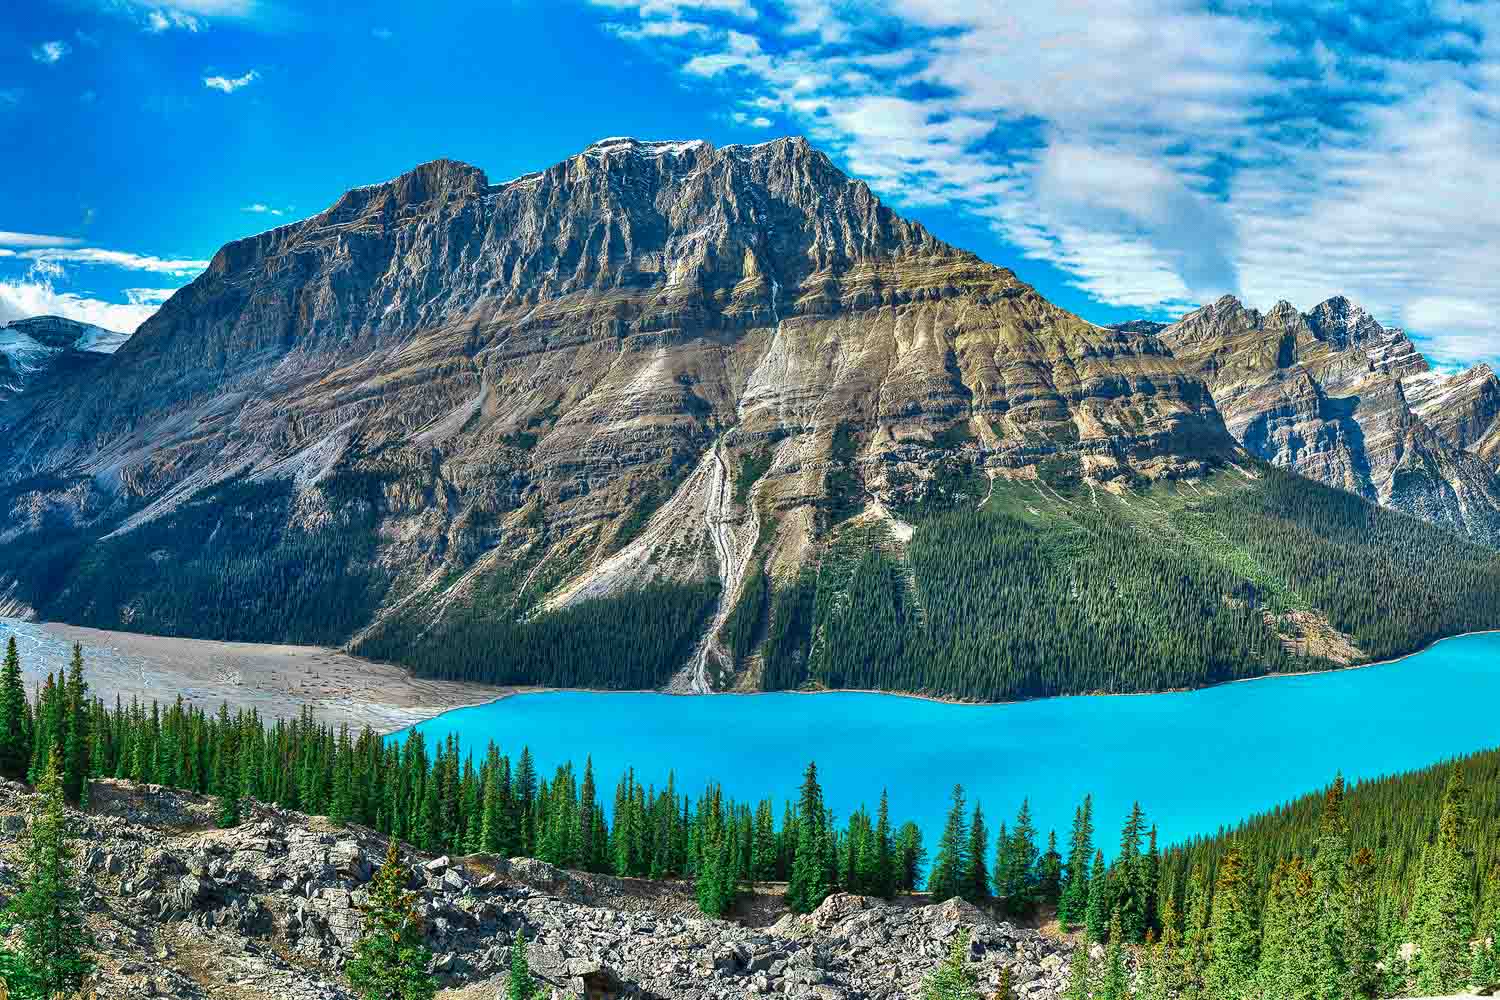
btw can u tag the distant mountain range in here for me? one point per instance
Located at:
(670, 414)
(32, 348)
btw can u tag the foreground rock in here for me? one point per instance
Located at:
(271, 908)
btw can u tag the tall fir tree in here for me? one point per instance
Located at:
(809, 883)
(15, 717)
(978, 875)
(1072, 907)
(950, 868)
(1444, 909)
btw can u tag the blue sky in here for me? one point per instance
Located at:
(1128, 159)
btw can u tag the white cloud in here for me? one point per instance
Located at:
(754, 121)
(261, 209)
(114, 258)
(158, 21)
(230, 84)
(36, 240)
(51, 53)
(1158, 152)
(20, 299)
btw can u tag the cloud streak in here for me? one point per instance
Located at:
(229, 85)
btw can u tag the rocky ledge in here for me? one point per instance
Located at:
(272, 908)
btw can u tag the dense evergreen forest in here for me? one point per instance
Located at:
(1041, 590)
(1389, 887)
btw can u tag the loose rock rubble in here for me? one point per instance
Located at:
(271, 908)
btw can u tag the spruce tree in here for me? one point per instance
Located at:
(1446, 918)
(15, 717)
(1097, 914)
(1361, 945)
(885, 853)
(979, 873)
(953, 979)
(911, 856)
(1232, 935)
(52, 959)
(1072, 907)
(809, 884)
(75, 739)
(390, 961)
(950, 869)
(1021, 876)
(1049, 872)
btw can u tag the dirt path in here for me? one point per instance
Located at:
(278, 681)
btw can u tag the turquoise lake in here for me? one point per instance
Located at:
(1195, 760)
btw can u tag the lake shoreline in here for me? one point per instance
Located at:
(511, 691)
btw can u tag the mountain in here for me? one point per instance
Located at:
(1337, 397)
(32, 349)
(670, 414)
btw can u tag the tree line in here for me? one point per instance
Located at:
(1316, 900)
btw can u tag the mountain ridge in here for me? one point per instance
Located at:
(641, 392)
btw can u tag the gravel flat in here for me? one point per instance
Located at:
(278, 681)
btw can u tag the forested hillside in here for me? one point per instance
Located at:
(1029, 588)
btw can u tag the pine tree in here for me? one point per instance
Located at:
(390, 961)
(1097, 914)
(978, 879)
(15, 718)
(1049, 872)
(75, 739)
(1446, 915)
(885, 854)
(950, 869)
(1232, 950)
(1021, 876)
(809, 884)
(47, 907)
(1128, 889)
(953, 979)
(1072, 907)
(911, 856)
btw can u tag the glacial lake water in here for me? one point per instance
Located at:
(1195, 760)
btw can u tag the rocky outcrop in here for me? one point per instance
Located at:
(524, 395)
(272, 908)
(1337, 397)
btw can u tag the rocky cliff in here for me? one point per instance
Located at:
(652, 364)
(1340, 399)
(271, 909)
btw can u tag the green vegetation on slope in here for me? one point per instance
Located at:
(1040, 592)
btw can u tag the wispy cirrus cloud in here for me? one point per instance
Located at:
(112, 258)
(229, 85)
(1157, 152)
(260, 208)
(36, 240)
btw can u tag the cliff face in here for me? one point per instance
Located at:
(1337, 397)
(652, 362)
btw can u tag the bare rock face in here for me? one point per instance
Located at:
(520, 396)
(1337, 397)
